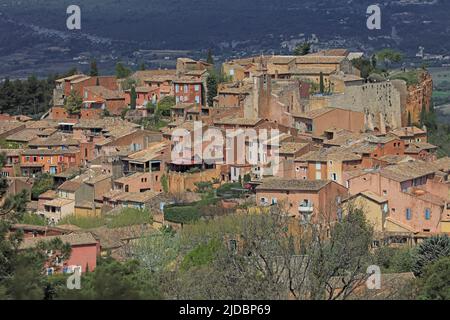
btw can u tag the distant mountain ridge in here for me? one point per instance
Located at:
(227, 26)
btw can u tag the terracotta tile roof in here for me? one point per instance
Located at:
(331, 52)
(311, 70)
(11, 152)
(138, 197)
(70, 78)
(160, 78)
(152, 152)
(6, 126)
(312, 114)
(105, 93)
(187, 80)
(408, 170)
(346, 77)
(319, 59)
(131, 177)
(56, 140)
(235, 89)
(69, 173)
(417, 147)
(29, 227)
(282, 59)
(326, 154)
(48, 152)
(294, 185)
(42, 124)
(426, 196)
(231, 120)
(394, 159)
(70, 186)
(373, 196)
(25, 135)
(407, 131)
(74, 239)
(104, 123)
(443, 164)
(291, 147)
(80, 79)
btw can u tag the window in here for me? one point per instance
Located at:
(334, 176)
(186, 88)
(197, 88)
(274, 201)
(384, 193)
(427, 214)
(231, 72)
(197, 99)
(263, 201)
(177, 99)
(305, 203)
(408, 214)
(177, 88)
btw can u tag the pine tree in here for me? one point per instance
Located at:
(302, 49)
(122, 71)
(429, 251)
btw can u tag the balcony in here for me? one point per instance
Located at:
(306, 208)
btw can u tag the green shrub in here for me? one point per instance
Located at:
(201, 255)
(42, 184)
(429, 251)
(130, 217)
(33, 219)
(394, 260)
(182, 213)
(84, 222)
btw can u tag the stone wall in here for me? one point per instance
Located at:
(181, 182)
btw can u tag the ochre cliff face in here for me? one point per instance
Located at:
(419, 95)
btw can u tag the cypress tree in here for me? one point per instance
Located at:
(322, 84)
(94, 69)
(210, 58)
(133, 98)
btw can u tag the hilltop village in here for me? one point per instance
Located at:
(326, 138)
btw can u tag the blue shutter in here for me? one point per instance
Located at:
(408, 214)
(427, 214)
